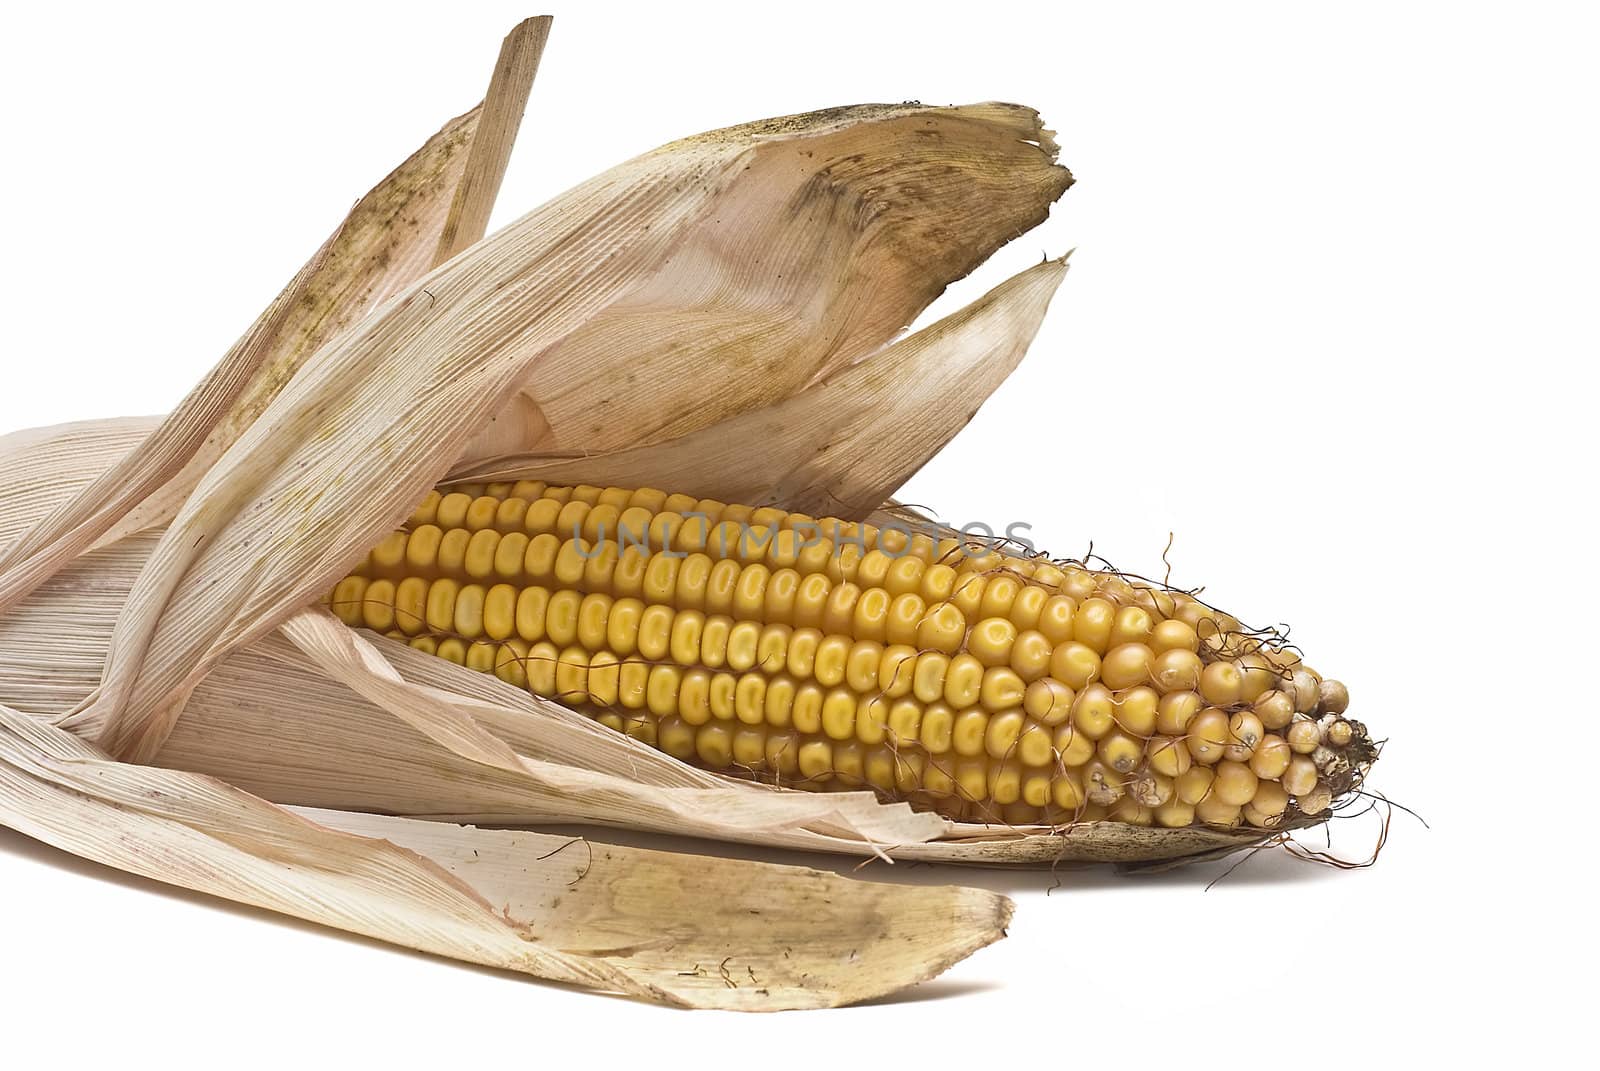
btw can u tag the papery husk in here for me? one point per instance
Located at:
(275, 719)
(843, 446)
(431, 206)
(676, 929)
(376, 416)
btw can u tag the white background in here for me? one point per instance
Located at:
(1330, 322)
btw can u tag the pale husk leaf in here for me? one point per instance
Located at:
(643, 923)
(376, 416)
(839, 448)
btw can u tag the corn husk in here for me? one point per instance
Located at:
(718, 315)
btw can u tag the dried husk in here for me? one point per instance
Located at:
(740, 287)
(648, 924)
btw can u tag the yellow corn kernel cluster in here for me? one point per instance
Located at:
(824, 654)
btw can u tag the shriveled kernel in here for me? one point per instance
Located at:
(1332, 697)
(1102, 784)
(1338, 734)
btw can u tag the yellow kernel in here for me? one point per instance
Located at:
(1176, 670)
(1304, 736)
(693, 698)
(411, 605)
(991, 640)
(938, 728)
(1092, 624)
(839, 713)
(1074, 746)
(943, 628)
(750, 699)
(1075, 665)
(1169, 756)
(1003, 733)
(1208, 735)
(1176, 710)
(970, 729)
(963, 682)
(1235, 783)
(861, 667)
(744, 645)
(1221, 684)
(655, 631)
(1174, 635)
(1094, 712)
(1126, 665)
(1121, 752)
(714, 636)
(1048, 701)
(713, 745)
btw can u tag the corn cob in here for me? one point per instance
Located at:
(822, 654)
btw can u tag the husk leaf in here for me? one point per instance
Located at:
(648, 924)
(841, 447)
(432, 204)
(376, 416)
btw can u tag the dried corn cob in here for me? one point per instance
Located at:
(824, 654)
